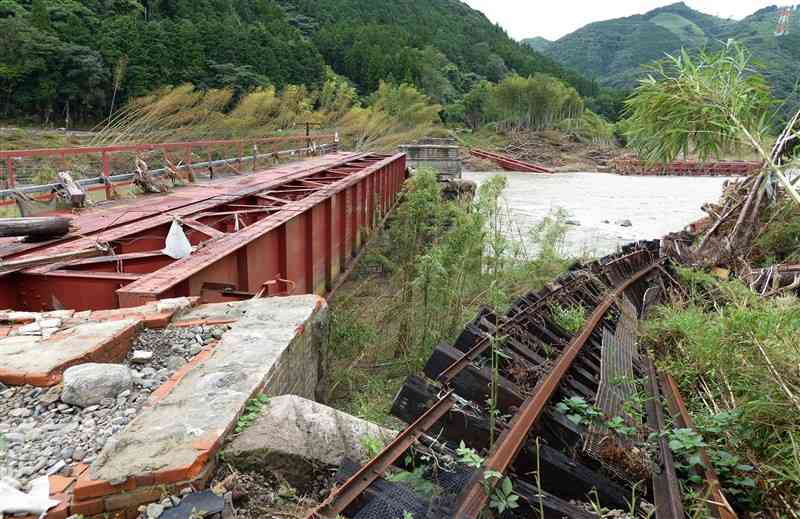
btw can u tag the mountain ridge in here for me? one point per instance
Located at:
(613, 51)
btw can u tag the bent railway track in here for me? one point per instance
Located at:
(534, 409)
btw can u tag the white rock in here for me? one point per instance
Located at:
(49, 323)
(21, 412)
(18, 317)
(141, 356)
(59, 314)
(30, 329)
(89, 384)
(169, 305)
(293, 434)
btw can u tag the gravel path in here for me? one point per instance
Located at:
(41, 435)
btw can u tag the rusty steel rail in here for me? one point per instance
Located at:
(666, 488)
(447, 376)
(717, 501)
(473, 499)
(452, 371)
(508, 163)
(540, 360)
(686, 168)
(341, 497)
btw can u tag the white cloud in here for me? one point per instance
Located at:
(553, 19)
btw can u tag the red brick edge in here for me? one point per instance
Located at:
(101, 499)
(111, 351)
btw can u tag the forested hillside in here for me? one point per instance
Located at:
(538, 43)
(613, 51)
(76, 60)
(442, 45)
(65, 58)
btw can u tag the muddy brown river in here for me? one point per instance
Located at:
(598, 202)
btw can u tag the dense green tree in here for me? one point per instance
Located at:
(39, 15)
(708, 105)
(60, 59)
(81, 59)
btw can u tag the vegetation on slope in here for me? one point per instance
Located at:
(421, 280)
(444, 42)
(392, 115)
(538, 43)
(71, 60)
(735, 357)
(78, 60)
(733, 352)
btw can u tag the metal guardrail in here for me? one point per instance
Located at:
(182, 152)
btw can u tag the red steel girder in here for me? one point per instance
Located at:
(310, 237)
(124, 212)
(296, 240)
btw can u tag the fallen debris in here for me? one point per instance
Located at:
(35, 227)
(509, 163)
(73, 192)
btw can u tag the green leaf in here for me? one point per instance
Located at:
(575, 418)
(507, 486)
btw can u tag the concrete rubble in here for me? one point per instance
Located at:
(105, 431)
(293, 436)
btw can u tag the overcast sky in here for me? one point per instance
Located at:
(555, 18)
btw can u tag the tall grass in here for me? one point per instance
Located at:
(392, 115)
(421, 282)
(736, 358)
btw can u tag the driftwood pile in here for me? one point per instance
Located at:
(555, 150)
(726, 237)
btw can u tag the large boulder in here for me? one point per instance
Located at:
(295, 437)
(89, 384)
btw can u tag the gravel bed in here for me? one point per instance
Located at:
(40, 435)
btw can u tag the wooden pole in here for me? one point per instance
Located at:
(39, 227)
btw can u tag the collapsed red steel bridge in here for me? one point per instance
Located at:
(299, 225)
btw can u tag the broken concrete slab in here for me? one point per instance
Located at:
(41, 361)
(274, 347)
(293, 436)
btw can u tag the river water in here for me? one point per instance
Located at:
(655, 206)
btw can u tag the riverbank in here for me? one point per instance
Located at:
(418, 283)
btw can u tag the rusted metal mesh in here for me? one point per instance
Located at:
(616, 397)
(393, 500)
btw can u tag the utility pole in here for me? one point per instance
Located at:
(308, 125)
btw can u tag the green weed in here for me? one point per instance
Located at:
(570, 318)
(371, 445)
(438, 262)
(735, 357)
(252, 410)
